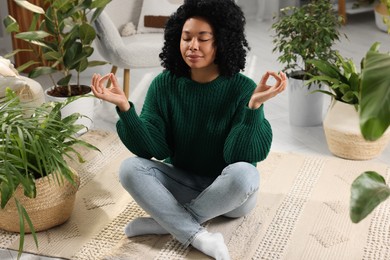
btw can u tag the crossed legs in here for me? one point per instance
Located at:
(179, 203)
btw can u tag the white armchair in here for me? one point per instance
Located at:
(139, 50)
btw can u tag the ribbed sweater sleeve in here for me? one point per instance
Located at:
(250, 137)
(144, 135)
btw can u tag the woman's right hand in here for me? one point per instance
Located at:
(114, 94)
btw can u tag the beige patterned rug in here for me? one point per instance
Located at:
(302, 213)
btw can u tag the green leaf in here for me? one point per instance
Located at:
(14, 52)
(326, 68)
(82, 65)
(30, 225)
(64, 81)
(99, 3)
(52, 55)
(39, 71)
(26, 65)
(95, 63)
(324, 92)
(375, 95)
(87, 34)
(70, 57)
(29, 6)
(34, 22)
(32, 36)
(10, 24)
(6, 190)
(21, 227)
(367, 192)
(348, 97)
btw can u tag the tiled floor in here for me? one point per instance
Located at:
(361, 32)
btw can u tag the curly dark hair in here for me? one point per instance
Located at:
(228, 22)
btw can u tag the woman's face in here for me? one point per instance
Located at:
(197, 43)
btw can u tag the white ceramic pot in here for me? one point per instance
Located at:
(343, 135)
(381, 12)
(305, 108)
(84, 105)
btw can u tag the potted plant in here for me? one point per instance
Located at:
(61, 38)
(37, 185)
(304, 33)
(382, 11)
(341, 124)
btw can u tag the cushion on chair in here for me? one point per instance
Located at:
(141, 50)
(134, 51)
(156, 12)
(122, 12)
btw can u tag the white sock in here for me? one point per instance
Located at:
(211, 244)
(144, 226)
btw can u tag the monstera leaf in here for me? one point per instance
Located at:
(370, 188)
(375, 94)
(367, 192)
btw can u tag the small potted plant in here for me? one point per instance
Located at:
(61, 38)
(341, 124)
(37, 184)
(303, 33)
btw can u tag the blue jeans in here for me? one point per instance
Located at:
(180, 202)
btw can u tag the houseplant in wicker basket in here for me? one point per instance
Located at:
(342, 124)
(37, 185)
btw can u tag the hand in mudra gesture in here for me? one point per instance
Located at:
(263, 92)
(114, 94)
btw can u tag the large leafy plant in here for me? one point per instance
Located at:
(370, 188)
(35, 146)
(60, 36)
(303, 33)
(369, 91)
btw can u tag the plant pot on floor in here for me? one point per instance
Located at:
(305, 108)
(52, 206)
(381, 12)
(84, 105)
(343, 135)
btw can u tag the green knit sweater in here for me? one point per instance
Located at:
(199, 127)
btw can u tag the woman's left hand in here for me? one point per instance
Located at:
(263, 92)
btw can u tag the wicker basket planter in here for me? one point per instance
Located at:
(343, 136)
(52, 206)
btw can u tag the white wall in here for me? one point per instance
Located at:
(249, 7)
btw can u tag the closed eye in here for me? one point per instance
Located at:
(201, 40)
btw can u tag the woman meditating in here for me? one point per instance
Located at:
(201, 131)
